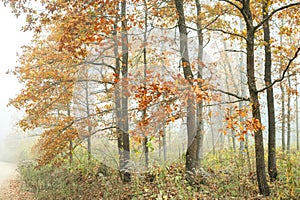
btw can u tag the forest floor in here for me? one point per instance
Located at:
(9, 183)
(227, 176)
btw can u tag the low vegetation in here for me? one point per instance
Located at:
(227, 176)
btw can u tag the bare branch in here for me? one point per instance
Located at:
(232, 94)
(235, 51)
(222, 103)
(95, 132)
(274, 12)
(82, 118)
(84, 80)
(227, 32)
(283, 73)
(102, 64)
(206, 42)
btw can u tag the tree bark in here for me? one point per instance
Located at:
(117, 93)
(121, 105)
(89, 143)
(258, 136)
(270, 98)
(70, 140)
(124, 110)
(242, 93)
(199, 111)
(144, 112)
(192, 153)
(164, 144)
(288, 142)
(282, 117)
(212, 134)
(297, 117)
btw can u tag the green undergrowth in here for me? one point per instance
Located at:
(228, 176)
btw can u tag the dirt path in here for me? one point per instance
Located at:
(9, 184)
(7, 172)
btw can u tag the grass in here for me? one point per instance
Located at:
(229, 177)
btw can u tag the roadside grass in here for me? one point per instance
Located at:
(228, 175)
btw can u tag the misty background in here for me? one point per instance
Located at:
(11, 40)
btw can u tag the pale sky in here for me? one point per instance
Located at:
(11, 39)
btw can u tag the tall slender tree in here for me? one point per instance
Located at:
(144, 111)
(199, 125)
(288, 139)
(192, 153)
(124, 102)
(297, 116)
(270, 96)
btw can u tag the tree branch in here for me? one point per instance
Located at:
(283, 73)
(84, 80)
(206, 26)
(226, 32)
(222, 103)
(235, 51)
(93, 133)
(212, 21)
(104, 64)
(233, 4)
(274, 12)
(232, 94)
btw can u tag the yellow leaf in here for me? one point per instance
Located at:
(172, 119)
(241, 127)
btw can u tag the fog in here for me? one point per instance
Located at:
(14, 146)
(11, 39)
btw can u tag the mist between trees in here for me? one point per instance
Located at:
(140, 83)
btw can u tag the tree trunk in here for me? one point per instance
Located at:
(200, 129)
(70, 140)
(169, 133)
(288, 142)
(121, 106)
(258, 136)
(297, 117)
(159, 147)
(89, 144)
(248, 154)
(164, 138)
(242, 93)
(270, 98)
(117, 93)
(124, 110)
(282, 117)
(192, 153)
(212, 134)
(144, 112)
(146, 151)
